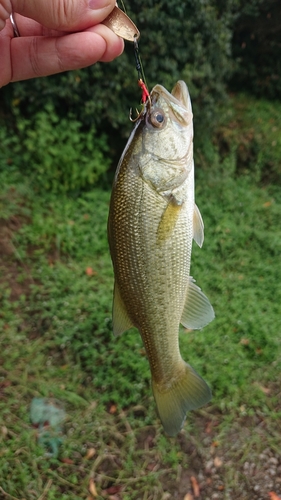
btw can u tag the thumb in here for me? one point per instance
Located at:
(65, 15)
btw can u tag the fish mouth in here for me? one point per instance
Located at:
(178, 96)
(176, 104)
(180, 92)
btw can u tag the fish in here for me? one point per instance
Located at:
(152, 221)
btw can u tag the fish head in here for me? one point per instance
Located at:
(166, 157)
(169, 119)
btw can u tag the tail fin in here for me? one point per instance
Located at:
(188, 392)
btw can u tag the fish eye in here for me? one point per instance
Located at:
(157, 118)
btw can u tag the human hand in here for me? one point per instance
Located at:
(55, 36)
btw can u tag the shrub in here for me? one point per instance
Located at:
(256, 48)
(248, 140)
(189, 40)
(55, 152)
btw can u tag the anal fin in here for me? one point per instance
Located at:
(198, 311)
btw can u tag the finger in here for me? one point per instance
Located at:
(29, 27)
(43, 56)
(5, 59)
(109, 37)
(4, 13)
(66, 15)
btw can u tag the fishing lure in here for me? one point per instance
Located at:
(122, 25)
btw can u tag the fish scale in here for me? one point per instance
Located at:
(152, 221)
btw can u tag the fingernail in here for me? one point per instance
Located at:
(98, 4)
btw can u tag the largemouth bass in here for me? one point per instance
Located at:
(152, 222)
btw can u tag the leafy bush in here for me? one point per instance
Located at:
(248, 140)
(56, 153)
(189, 40)
(256, 48)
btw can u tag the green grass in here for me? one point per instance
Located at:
(56, 284)
(239, 264)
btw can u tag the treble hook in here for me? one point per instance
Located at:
(138, 117)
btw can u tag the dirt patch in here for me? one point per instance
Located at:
(7, 228)
(243, 466)
(212, 464)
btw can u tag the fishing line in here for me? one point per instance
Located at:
(145, 97)
(139, 67)
(141, 77)
(123, 6)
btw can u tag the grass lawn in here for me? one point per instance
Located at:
(56, 340)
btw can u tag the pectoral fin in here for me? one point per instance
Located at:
(197, 311)
(120, 319)
(168, 221)
(198, 227)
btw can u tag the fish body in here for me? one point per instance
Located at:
(152, 222)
